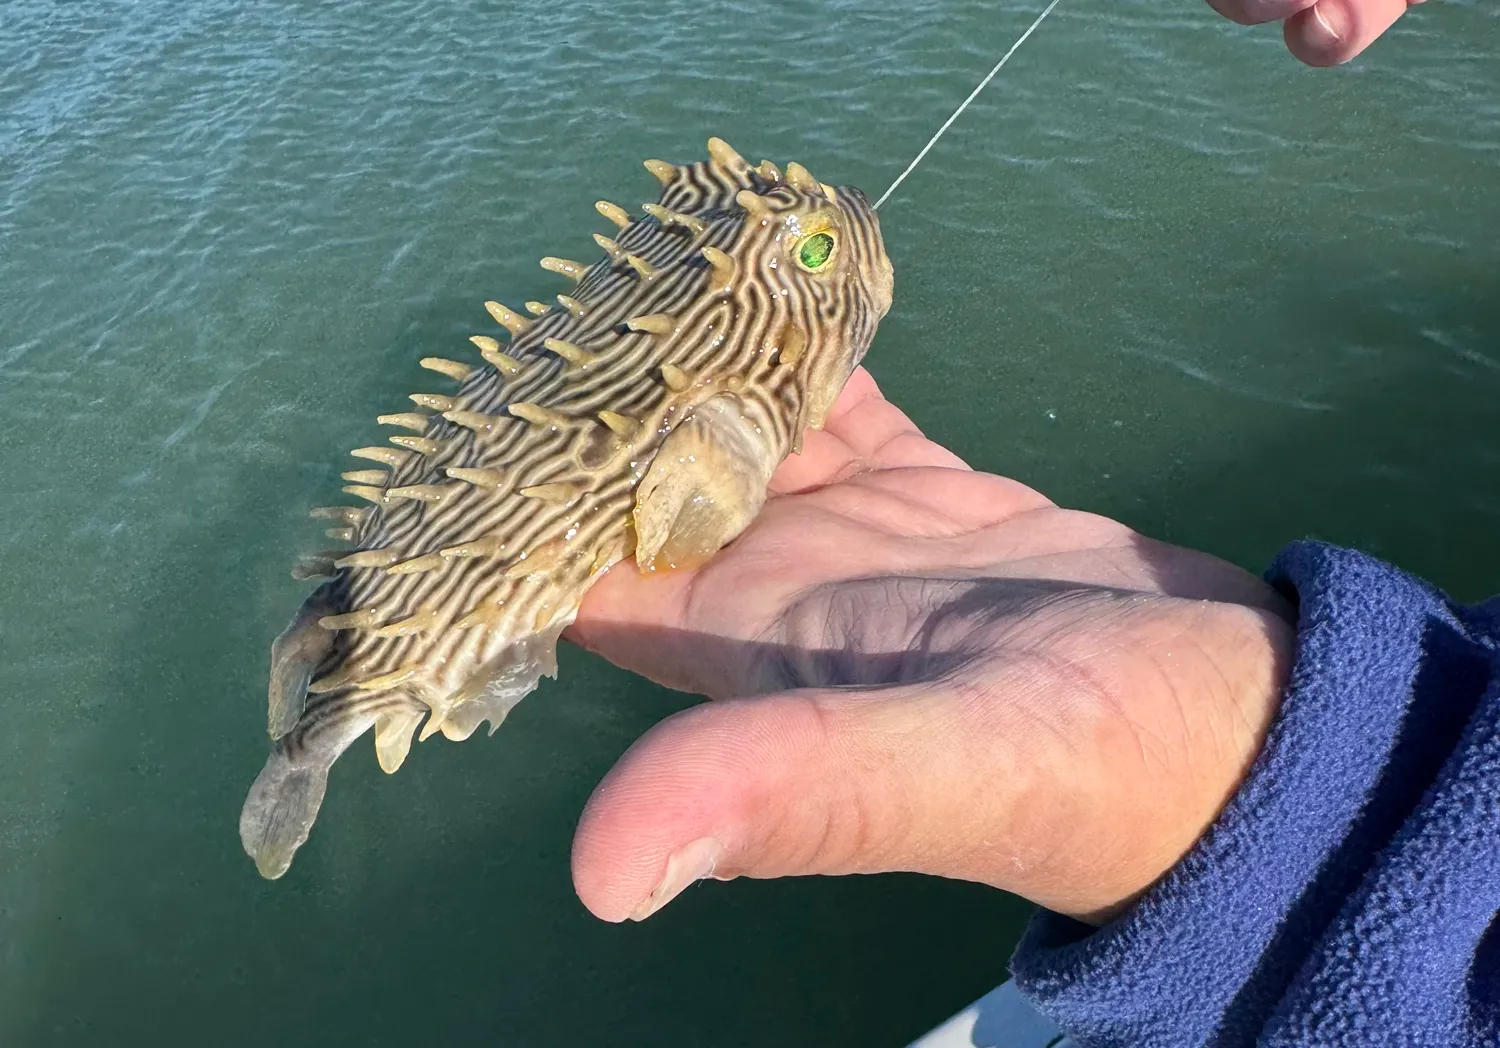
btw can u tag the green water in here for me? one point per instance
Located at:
(1159, 271)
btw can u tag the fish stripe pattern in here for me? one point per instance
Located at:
(673, 374)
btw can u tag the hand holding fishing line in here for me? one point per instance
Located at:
(1320, 32)
(1070, 707)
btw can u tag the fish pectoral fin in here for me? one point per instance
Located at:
(705, 486)
(295, 656)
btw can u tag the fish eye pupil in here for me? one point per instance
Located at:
(815, 251)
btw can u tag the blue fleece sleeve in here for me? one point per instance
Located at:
(1348, 894)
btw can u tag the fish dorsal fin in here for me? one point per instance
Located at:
(295, 657)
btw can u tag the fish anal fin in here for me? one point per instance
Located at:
(393, 732)
(704, 487)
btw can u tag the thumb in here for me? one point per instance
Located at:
(1332, 32)
(815, 781)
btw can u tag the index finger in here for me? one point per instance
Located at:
(864, 431)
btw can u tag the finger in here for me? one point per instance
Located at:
(802, 783)
(636, 621)
(926, 502)
(863, 431)
(824, 459)
(1255, 12)
(879, 432)
(1334, 31)
(825, 456)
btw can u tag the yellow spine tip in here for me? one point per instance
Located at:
(471, 420)
(676, 379)
(664, 172)
(574, 354)
(611, 248)
(536, 414)
(385, 456)
(562, 493)
(411, 420)
(653, 324)
(369, 558)
(506, 318)
(753, 202)
(422, 492)
(620, 425)
(723, 266)
(417, 565)
(726, 156)
(480, 478)
(614, 212)
(798, 177)
(433, 401)
(364, 491)
(421, 445)
(452, 368)
(565, 266)
(645, 269)
(354, 620)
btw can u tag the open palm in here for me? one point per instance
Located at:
(931, 669)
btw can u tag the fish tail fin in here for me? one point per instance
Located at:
(280, 810)
(283, 801)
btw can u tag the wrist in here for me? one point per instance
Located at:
(1180, 701)
(1237, 661)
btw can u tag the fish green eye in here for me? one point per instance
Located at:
(814, 252)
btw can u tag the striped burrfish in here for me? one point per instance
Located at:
(641, 415)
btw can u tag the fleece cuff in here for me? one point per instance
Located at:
(1343, 895)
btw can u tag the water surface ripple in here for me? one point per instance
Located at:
(1158, 270)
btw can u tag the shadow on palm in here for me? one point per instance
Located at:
(928, 669)
(872, 512)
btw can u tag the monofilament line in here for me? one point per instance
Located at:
(972, 95)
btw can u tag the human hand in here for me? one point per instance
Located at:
(1320, 32)
(927, 669)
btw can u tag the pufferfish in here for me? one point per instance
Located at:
(641, 415)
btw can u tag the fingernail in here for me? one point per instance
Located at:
(692, 862)
(1321, 31)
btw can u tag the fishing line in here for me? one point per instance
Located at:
(972, 95)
